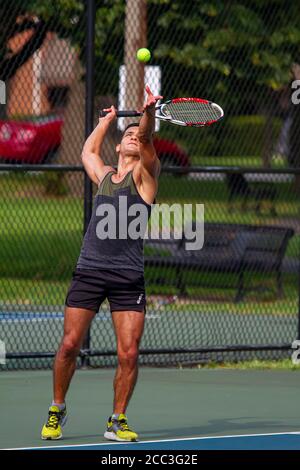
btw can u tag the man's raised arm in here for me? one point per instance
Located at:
(91, 152)
(149, 164)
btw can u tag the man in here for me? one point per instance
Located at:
(110, 268)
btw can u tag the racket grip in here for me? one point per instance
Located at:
(122, 114)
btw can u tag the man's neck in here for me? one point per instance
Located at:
(126, 164)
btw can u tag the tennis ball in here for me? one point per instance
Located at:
(143, 55)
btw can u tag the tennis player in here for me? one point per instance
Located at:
(110, 268)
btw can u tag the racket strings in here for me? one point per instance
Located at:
(192, 112)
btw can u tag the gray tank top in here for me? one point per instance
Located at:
(119, 251)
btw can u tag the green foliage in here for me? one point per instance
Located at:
(236, 45)
(226, 45)
(248, 131)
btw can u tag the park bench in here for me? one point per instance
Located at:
(228, 248)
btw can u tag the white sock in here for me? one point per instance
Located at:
(61, 406)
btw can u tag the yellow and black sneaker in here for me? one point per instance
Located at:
(56, 420)
(118, 430)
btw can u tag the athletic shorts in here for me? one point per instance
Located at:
(124, 289)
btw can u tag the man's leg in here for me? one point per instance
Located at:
(77, 321)
(76, 324)
(129, 326)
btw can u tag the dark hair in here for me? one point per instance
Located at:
(133, 124)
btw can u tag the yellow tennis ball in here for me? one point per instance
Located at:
(143, 55)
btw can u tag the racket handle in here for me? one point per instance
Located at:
(122, 113)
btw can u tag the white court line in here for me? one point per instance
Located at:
(163, 440)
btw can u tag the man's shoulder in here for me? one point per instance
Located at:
(106, 169)
(140, 170)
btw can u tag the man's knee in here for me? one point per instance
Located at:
(128, 356)
(69, 347)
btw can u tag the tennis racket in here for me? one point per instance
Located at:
(193, 112)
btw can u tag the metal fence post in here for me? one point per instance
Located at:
(89, 122)
(298, 333)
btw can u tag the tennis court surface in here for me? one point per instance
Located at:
(171, 409)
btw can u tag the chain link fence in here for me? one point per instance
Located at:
(237, 298)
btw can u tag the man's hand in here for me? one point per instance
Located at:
(110, 116)
(149, 106)
(147, 122)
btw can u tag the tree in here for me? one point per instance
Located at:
(36, 16)
(67, 19)
(238, 52)
(234, 48)
(228, 46)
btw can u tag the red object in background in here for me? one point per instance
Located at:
(38, 141)
(170, 153)
(29, 141)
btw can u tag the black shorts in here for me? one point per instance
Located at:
(124, 289)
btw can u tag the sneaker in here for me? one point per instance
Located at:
(118, 430)
(56, 420)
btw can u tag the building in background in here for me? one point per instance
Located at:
(41, 85)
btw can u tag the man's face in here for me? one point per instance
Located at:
(130, 144)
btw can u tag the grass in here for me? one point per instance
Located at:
(41, 238)
(212, 300)
(29, 292)
(49, 292)
(182, 189)
(283, 364)
(246, 161)
(214, 196)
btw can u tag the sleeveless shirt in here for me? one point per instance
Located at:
(111, 213)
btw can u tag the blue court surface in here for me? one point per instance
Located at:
(284, 441)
